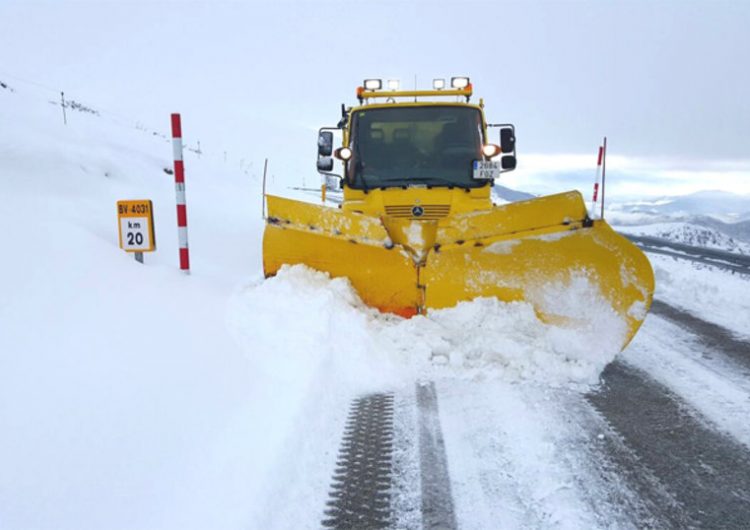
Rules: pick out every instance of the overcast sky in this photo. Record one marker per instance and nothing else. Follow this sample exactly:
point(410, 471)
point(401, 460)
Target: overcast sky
point(667, 82)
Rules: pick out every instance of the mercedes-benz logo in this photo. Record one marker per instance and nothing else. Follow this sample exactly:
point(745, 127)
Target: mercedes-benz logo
point(417, 211)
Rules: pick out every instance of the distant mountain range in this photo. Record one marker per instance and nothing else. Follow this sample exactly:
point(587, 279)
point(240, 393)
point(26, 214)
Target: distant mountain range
point(722, 205)
point(704, 218)
point(715, 219)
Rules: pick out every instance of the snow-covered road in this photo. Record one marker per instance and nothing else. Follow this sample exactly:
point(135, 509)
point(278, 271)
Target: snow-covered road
point(662, 442)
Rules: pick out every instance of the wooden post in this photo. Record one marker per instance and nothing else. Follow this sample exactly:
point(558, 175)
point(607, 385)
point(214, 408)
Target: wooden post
point(62, 103)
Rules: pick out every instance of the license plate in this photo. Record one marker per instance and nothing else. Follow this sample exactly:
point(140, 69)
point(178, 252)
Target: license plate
point(486, 169)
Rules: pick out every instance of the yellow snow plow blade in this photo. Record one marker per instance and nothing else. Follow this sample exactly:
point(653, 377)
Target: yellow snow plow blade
point(345, 244)
point(543, 251)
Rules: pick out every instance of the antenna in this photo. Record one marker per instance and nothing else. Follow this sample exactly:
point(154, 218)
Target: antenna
point(265, 169)
point(604, 172)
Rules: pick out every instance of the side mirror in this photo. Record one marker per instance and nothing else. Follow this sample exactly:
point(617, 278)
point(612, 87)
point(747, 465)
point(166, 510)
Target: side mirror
point(325, 163)
point(508, 162)
point(507, 140)
point(325, 143)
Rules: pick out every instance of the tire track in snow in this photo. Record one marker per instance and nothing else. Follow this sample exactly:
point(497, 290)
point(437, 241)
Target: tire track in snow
point(437, 502)
point(710, 335)
point(392, 478)
point(361, 489)
point(705, 472)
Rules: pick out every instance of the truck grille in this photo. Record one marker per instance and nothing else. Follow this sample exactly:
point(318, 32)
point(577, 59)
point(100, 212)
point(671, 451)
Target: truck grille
point(430, 211)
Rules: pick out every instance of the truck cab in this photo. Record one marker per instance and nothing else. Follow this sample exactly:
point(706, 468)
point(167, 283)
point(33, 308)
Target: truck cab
point(417, 159)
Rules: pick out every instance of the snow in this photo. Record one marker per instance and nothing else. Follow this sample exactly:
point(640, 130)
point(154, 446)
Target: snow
point(502, 247)
point(414, 237)
point(116, 380)
point(527, 456)
point(133, 396)
point(713, 294)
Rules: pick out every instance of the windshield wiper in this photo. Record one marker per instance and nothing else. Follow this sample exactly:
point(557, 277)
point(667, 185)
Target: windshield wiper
point(359, 167)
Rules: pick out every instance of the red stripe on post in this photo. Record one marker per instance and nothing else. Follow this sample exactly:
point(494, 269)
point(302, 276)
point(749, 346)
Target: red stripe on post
point(596, 190)
point(181, 215)
point(601, 151)
point(184, 259)
point(179, 171)
point(176, 126)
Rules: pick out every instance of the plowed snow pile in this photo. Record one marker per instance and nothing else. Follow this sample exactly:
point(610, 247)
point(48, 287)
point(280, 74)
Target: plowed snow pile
point(715, 295)
point(483, 338)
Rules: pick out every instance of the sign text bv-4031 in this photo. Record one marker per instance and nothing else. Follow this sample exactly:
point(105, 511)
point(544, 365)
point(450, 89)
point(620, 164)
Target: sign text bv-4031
point(136, 222)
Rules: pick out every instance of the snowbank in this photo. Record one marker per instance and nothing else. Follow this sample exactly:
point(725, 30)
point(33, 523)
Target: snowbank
point(482, 338)
point(713, 294)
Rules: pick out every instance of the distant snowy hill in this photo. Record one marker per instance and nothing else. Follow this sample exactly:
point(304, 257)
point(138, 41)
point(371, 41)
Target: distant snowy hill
point(502, 194)
point(721, 205)
point(740, 230)
point(690, 234)
point(714, 219)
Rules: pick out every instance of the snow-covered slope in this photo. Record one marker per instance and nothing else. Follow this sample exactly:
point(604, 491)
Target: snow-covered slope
point(739, 230)
point(726, 206)
point(503, 194)
point(689, 234)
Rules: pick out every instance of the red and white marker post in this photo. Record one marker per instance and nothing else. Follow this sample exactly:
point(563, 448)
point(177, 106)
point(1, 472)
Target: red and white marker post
point(604, 175)
point(595, 198)
point(179, 186)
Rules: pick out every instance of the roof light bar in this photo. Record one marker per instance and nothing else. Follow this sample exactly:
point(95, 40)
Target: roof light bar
point(459, 82)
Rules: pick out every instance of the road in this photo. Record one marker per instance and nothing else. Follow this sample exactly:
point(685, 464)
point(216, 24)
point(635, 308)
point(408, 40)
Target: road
point(662, 442)
point(719, 258)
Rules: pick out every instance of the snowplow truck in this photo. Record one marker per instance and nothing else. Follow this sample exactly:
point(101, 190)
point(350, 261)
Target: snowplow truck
point(416, 228)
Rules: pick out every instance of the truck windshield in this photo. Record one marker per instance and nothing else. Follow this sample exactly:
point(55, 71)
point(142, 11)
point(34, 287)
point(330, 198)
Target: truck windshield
point(405, 146)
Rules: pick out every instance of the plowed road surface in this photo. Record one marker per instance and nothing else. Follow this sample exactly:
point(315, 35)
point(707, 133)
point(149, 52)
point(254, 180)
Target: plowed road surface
point(663, 442)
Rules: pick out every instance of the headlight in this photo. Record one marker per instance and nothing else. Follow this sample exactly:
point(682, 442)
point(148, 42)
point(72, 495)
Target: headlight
point(438, 84)
point(373, 84)
point(490, 150)
point(344, 153)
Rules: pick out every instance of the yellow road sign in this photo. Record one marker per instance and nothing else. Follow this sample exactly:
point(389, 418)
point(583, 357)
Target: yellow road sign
point(136, 222)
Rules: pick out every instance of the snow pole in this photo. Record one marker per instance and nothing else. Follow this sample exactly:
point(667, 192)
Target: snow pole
point(265, 169)
point(596, 182)
point(604, 173)
point(179, 184)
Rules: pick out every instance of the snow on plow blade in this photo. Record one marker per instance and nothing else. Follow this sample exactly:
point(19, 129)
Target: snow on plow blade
point(543, 251)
